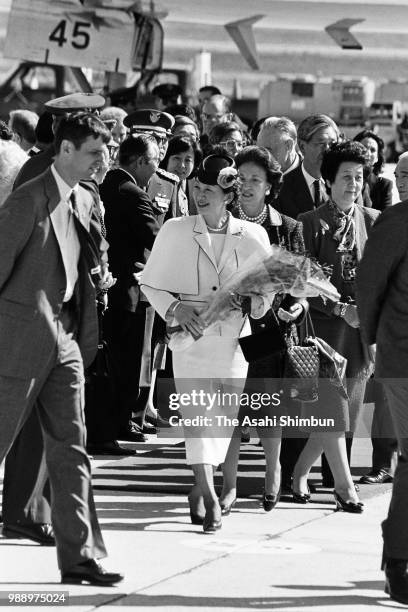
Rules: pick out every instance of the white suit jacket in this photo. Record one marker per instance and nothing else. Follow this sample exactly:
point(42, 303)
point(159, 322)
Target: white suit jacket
point(182, 264)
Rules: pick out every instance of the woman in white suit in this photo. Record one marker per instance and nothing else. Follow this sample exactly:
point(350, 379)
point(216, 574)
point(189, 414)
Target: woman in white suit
point(192, 257)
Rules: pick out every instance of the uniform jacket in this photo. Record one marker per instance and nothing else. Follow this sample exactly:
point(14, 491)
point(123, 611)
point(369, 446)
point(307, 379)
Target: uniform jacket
point(163, 191)
point(131, 227)
point(382, 291)
point(182, 264)
point(33, 280)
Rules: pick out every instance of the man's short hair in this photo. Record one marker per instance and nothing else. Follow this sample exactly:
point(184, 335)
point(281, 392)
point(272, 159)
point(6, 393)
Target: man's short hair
point(220, 98)
point(135, 146)
point(113, 112)
point(310, 125)
point(284, 125)
point(23, 123)
point(210, 88)
point(77, 127)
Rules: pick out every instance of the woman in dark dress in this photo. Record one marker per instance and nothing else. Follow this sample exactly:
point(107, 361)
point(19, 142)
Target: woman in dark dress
point(335, 234)
point(260, 181)
point(377, 188)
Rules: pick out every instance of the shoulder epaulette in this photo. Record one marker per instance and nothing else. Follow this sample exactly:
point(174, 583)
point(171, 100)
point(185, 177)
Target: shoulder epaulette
point(168, 175)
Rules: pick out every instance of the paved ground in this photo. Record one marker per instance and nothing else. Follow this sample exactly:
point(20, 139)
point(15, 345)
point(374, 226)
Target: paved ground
point(294, 557)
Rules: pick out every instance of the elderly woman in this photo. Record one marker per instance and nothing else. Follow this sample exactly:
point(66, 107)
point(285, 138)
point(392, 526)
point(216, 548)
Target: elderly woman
point(191, 258)
point(260, 180)
point(377, 189)
point(335, 234)
point(12, 157)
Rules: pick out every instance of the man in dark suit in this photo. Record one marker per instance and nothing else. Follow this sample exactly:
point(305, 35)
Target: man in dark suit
point(303, 188)
point(26, 501)
point(382, 299)
point(48, 332)
point(279, 136)
point(131, 227)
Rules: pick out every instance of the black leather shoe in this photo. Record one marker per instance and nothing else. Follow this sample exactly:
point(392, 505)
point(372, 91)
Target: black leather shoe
point(226, 508)
point(132, 434)
point(149, 429)
point(38, 532)
point(345, 506)
point(376, 477)
point(270, 501)
point(211, 525)
point(301, 498)
point(109, 448)
point(157, 421)
point(90, 571)
point(396, 580)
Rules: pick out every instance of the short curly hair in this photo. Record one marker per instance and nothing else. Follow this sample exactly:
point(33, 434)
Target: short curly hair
point(340, 152)
point(262, 157)
point(379, 164)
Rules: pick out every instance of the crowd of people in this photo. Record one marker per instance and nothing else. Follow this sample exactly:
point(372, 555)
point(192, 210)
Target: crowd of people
point(116, 229)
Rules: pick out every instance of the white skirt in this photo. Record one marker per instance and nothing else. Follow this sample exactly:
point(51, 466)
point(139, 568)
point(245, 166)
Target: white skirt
point(208, 367)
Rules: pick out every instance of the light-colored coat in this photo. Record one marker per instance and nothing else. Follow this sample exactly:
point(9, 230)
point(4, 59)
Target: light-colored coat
point(182, 264)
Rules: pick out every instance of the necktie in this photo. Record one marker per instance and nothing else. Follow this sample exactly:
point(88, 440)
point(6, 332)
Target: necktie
point(317, 194)
point(73, 202)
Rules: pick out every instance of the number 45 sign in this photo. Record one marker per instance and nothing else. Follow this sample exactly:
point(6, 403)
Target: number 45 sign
point(53, 32)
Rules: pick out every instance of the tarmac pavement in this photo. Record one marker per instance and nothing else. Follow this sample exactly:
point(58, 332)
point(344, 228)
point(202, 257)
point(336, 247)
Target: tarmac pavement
point(307, 557)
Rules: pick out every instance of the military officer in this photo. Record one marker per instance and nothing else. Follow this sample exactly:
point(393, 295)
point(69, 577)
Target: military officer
point(163, 185)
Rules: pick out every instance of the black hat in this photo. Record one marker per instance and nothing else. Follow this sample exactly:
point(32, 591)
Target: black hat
point(74, 102)
point(212, 165)
point(149, 120)
point(167, 92)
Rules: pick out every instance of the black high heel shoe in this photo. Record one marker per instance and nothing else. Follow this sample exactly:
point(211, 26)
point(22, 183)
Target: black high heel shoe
point(210, 523)
point(301, 498)
point(353, 507)
point(270, 501)
point(226, 508)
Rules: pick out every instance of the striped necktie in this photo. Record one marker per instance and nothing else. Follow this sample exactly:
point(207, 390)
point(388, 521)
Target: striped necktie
point(317, 193)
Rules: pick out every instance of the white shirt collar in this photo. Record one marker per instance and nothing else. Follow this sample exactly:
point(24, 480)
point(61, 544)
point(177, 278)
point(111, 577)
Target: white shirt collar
point(310, 179)
point(64, 189)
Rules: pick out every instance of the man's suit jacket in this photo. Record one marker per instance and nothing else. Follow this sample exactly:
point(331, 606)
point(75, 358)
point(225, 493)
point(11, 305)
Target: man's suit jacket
point(294, 197)
point(131, 226)
point(33, 279)
point(382, 291)
point(35, 166)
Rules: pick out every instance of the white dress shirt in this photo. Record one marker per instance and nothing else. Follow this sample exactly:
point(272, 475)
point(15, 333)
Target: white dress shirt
point(310, 183)
point(72, 240)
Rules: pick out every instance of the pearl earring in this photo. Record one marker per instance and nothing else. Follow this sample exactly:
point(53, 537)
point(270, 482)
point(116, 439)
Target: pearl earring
point(267, 192)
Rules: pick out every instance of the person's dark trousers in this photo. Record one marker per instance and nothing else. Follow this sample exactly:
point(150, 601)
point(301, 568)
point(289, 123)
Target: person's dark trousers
point(394, 528)
point(124, 332)
point(59, 392)
point(26, 499)
point(382, 433)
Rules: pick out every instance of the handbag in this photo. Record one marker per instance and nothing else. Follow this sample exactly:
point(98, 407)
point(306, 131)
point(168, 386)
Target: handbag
point(268, 341)
point(302, 365)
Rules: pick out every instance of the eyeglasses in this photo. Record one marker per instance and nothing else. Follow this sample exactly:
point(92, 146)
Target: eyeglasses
point(232, 144)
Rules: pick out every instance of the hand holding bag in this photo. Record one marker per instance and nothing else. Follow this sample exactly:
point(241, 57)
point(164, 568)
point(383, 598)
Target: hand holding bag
point(302, 365)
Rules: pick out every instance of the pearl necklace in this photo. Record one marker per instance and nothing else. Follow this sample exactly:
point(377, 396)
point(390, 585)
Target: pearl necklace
point(258, 219)
point(221, 228)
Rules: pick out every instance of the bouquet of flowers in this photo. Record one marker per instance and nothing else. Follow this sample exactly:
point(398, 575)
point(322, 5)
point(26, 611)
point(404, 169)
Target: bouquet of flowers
point(278, 272)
